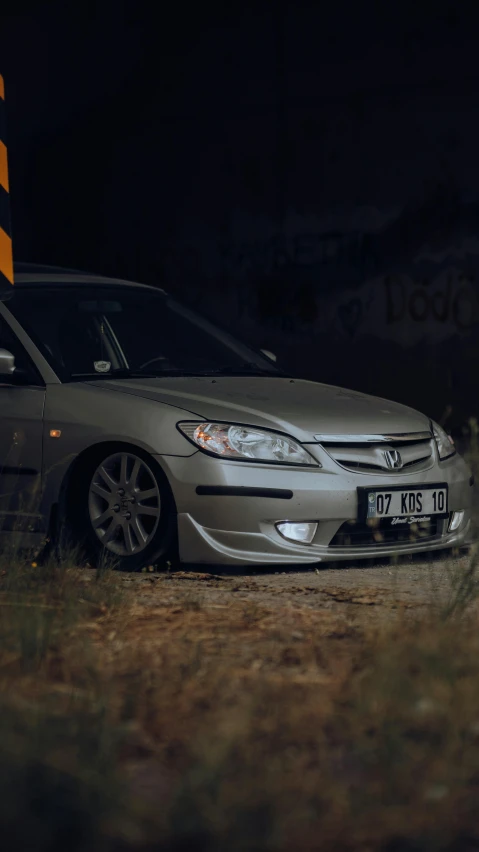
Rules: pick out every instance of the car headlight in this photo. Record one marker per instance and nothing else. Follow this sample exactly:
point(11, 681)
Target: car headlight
point(246, 443)
point(445, 444)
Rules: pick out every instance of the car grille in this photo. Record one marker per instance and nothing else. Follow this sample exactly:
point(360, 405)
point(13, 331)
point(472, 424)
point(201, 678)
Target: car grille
point(371, 456)
point(361, 534)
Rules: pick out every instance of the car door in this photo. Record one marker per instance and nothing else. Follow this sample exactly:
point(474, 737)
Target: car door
point(22, 399)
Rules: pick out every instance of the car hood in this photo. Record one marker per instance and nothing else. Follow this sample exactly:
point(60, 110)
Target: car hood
point(302, 408)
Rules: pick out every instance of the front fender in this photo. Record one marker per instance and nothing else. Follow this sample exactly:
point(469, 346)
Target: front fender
point(79, 417)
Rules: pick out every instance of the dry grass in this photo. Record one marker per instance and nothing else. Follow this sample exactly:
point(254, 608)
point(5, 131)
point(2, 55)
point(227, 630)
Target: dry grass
point(151, 714)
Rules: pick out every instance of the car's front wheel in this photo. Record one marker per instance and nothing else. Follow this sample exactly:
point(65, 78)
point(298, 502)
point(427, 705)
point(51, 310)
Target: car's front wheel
point(126, 511)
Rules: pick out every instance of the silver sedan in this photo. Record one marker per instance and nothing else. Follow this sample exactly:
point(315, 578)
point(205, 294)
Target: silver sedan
point(137, 429)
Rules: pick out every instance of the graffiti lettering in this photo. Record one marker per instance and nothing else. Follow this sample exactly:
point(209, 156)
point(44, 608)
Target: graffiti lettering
point(350, 316)
point(266, 256)
point(240, 258)
point(455, 301)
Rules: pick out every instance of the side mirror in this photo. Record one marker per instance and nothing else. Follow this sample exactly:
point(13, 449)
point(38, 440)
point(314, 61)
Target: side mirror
point(270, 355)
point(7, 363)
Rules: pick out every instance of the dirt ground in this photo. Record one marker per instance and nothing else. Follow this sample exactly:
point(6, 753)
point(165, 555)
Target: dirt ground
point(410, 582)
point(177, 707)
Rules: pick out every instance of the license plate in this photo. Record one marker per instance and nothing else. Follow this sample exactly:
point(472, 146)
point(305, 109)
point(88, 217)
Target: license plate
point(399, 505)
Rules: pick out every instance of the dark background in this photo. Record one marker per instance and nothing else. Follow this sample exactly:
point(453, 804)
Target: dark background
point(307, 172)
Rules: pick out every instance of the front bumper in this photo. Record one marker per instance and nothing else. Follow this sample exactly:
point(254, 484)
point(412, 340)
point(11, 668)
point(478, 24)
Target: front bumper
point(232, 529)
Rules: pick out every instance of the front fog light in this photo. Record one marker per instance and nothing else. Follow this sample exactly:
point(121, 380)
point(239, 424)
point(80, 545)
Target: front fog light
point(456, 521)
point(303, 532)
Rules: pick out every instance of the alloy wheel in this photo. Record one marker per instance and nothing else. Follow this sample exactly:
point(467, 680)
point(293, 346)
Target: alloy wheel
point(124, 504)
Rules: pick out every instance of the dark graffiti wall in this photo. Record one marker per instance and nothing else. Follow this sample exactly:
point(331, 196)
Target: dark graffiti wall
point(311, 181)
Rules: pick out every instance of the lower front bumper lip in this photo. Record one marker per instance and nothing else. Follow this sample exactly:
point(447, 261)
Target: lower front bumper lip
point(200, 544)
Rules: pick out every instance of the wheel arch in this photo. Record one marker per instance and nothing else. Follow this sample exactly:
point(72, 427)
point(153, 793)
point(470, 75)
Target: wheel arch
point(84, 463)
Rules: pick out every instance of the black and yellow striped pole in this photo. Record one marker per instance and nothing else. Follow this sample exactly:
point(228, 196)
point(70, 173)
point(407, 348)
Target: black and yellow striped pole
point(6, 256)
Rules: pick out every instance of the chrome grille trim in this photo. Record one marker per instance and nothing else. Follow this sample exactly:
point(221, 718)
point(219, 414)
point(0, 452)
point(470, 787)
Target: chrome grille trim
point(360, 467)
point(371, 458)
point(373, 439)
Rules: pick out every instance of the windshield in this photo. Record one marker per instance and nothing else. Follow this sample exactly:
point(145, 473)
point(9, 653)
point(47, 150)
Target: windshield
point(104, 331)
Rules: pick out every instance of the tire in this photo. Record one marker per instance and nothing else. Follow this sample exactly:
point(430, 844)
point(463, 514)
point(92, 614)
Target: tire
point(123, 512)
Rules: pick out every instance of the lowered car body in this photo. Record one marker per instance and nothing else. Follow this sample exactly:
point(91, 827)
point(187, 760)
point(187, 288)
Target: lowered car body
point(140, 425)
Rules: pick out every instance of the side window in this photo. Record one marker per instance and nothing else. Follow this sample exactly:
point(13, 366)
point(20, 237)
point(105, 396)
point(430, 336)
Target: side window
point(25, 372)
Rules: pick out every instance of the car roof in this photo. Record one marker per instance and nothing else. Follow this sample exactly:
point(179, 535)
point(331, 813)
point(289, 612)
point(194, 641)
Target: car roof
point(28, 274)
point(42, 268)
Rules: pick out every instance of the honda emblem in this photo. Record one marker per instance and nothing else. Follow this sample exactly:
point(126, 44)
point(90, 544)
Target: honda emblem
point(393, 459)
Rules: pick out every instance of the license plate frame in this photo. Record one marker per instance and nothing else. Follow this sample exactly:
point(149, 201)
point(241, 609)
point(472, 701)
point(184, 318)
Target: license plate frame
point(363, 502)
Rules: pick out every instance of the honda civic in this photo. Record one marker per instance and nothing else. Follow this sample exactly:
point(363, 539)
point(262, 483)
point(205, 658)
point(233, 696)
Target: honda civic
point(147, 432)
